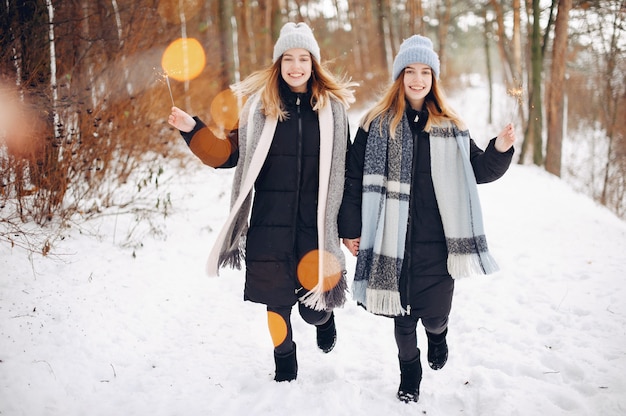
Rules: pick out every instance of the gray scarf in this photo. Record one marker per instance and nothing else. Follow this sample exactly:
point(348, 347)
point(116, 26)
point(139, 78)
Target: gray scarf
point(385, 211)
point(256, 133)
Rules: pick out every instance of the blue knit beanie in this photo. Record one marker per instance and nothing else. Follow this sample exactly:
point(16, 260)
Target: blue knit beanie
point(416, 50)
point(296, 35)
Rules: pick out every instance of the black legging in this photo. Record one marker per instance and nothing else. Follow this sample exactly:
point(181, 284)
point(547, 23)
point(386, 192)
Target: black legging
point(431, 301)
point(310, 316)
point(406, 335)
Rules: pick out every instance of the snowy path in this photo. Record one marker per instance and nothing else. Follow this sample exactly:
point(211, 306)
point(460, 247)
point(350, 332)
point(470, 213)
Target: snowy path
point(99, 332)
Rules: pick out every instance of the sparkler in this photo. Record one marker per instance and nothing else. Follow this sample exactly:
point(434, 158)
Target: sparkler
point(169, 87)
point(163, 77)
point(517, 93)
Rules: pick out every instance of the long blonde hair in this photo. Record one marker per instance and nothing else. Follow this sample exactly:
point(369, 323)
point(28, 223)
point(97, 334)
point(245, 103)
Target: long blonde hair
point(392, 105)
point(323, 85)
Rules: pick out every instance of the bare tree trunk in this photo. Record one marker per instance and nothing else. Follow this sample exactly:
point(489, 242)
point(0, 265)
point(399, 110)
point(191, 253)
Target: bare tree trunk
point(376, 44)
point(53, 66)
point(443, 13)
point(517, 44)
point(487, 30)
point(387, 47)
point(393, 27)
point(416, 17)
point(278, 20)
point(226, 43)
point(546, 33)
point(527, 144)
point(502, 42)
point(265, 21)
point(183, 34)
point(535, 113)
point(615, 160)
point(556, 88)
point(358, 38)
point(244, 38)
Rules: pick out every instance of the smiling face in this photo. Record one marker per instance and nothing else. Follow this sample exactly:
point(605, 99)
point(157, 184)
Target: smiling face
point(418, 81)
point(296, 66)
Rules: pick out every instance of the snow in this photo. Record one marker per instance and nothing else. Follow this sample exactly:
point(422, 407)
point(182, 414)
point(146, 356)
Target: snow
point(101, 327)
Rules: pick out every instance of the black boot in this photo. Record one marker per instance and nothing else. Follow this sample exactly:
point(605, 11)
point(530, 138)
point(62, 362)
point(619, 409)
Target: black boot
point(410, 379)
point(327, 334)
point(286, 366)
point(437, 350)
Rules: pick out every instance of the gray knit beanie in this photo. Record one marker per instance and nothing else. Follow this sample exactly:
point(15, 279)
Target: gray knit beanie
point(416, 50)
point(296, 35)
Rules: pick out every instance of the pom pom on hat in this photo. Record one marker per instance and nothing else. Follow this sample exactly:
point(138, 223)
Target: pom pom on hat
point(296, 35)
point(416, 50)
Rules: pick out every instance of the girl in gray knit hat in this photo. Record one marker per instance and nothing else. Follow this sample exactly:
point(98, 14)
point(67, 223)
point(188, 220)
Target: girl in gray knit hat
point(410, 210)
point(289, 151)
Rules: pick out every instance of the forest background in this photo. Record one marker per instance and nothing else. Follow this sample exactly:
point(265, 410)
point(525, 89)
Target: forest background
point(85, 87)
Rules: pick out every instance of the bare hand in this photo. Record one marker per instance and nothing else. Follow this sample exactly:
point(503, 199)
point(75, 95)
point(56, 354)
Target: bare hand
point(352, 244)
point(505, 139)
point(181, 120)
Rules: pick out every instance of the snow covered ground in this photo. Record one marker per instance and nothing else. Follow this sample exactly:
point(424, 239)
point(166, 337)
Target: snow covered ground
point(98, 328)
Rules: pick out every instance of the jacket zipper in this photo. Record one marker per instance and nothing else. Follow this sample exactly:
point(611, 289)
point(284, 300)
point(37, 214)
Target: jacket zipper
point(407, 246)
point(298, 177)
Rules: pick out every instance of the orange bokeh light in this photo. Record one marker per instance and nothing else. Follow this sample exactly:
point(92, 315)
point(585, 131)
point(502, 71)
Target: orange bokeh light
point(278, 328)
point(21, 125)
point(225, 110)
point(184, 59)
point(309, 266)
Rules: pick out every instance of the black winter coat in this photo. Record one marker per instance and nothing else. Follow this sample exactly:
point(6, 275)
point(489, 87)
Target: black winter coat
point(426, 252)
point(283, 221)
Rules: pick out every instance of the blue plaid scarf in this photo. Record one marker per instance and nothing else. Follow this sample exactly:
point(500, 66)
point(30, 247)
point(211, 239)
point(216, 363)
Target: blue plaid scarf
point(385, 211)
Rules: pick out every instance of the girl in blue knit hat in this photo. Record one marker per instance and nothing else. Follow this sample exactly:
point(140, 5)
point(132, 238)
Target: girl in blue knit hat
point(410, 211)
point(289, 149)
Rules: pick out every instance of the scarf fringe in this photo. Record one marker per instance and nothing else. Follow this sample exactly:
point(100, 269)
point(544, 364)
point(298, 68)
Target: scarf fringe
point(384, 302)
point(233, 258)
point(466, 265)
point(321, 300)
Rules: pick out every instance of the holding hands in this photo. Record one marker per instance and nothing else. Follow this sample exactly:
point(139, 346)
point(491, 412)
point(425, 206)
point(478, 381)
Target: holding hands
point(181, 120)
point(352, 244)
point(505, 139)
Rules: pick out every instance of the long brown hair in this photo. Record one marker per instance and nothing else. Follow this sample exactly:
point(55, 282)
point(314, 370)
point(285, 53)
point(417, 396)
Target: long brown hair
point(392, 106)
point(323, 85)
